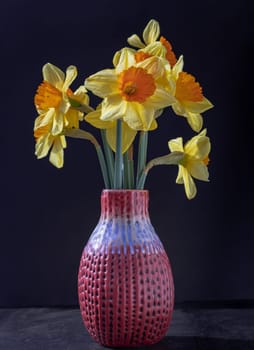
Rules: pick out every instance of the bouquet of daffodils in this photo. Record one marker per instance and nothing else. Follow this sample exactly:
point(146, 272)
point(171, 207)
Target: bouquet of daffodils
point(145, 79)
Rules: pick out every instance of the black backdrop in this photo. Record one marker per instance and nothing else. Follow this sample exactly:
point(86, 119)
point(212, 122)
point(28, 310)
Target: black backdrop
point(48, 214)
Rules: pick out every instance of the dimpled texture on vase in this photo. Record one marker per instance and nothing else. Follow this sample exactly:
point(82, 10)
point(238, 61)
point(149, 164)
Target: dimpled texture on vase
point(125, 282)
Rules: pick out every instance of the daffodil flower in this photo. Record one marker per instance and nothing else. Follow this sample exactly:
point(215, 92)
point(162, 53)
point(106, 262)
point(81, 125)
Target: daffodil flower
point(189, 99)
point(194, 163)
point(46, 142)
point(151, 45)
point(131, 90)
point(55, 111)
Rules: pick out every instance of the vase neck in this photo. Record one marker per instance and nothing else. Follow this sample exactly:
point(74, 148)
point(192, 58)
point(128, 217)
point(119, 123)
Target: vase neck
point(124, 203)
point(124, 225)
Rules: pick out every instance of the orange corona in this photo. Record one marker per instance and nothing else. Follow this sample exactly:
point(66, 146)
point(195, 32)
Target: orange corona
point(170, 56)
point(136, 85)
point(47, 96)
point(187, 89)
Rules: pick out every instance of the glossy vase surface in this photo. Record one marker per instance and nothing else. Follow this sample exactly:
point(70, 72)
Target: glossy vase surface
point(125, 282)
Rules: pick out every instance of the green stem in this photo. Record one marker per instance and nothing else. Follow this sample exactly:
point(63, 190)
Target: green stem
point(131, 167)
point(118, 157)
point(131, 173)
point(173, 158)
point(103, 166)
point(126, 180)
point(142, 153)
point(109, 158)
point(128, 168)
point(142, 179)
point(81, 134)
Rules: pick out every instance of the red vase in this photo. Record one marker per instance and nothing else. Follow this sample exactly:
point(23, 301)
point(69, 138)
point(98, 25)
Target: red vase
point(125, 283)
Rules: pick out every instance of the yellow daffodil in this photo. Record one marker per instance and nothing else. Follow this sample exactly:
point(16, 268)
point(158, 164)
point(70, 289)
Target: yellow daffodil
point(189, 99)
point(45, 141)
point(55, 111)
point(131, 90)
point(194, 163)
point(128, 134)
point(151, 45)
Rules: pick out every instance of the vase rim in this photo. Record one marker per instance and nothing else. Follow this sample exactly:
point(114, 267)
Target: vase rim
point(123, 190)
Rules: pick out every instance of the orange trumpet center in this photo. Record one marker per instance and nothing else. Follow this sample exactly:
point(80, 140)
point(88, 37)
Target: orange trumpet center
point(187, 89)
point(170, 56)
point(47, 96)
point(136, 85)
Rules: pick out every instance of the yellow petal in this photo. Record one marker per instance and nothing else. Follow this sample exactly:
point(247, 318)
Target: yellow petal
point(81, 95)
point(156, 49)
point(179, 179)
point(151, 31)
point(118, 56)
point(126, 59)
point(63, 141)
point(72, 118)
point(132, 117)
point(111, 137)
point(198, 147)
point(113, 107)
point(53, 75)
point(138, 117)
point(178, 109)
point(58, 123)
point(199, 171)
point(176, 145)
point(93, 118)
point(171, 83)
point(44, 119)
point(198, 107)
point(154, 125)
point(57, 155)
point(102, 83)
point(195, 121)
point(127, 139)
point(158, 113)
point(134, 40)
point(153, 65)
point(178, 67)
point(189, 185)
point(71, 74)
point(160, 99)
point(146, 115)
point(43, 145)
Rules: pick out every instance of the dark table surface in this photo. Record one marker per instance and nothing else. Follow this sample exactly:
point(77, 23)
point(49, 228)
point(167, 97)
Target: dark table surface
point(193, 327)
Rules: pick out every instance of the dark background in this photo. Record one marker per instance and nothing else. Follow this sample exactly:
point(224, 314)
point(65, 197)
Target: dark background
point(48, 214)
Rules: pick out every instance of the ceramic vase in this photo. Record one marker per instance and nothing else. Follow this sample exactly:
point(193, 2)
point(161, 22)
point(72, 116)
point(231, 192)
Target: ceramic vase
point(125, 282)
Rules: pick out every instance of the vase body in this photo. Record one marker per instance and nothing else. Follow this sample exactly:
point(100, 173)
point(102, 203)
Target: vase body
point(125, 283)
